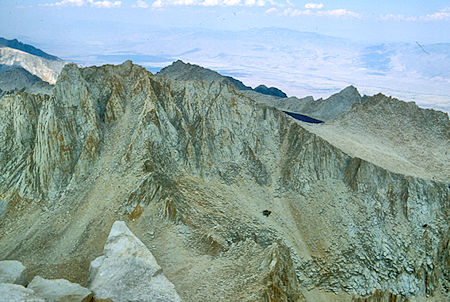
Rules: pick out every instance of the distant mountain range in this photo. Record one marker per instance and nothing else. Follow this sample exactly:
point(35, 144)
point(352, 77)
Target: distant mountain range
point(16, 76)
point(298, 63)
point(27, 48)
point(21, 62)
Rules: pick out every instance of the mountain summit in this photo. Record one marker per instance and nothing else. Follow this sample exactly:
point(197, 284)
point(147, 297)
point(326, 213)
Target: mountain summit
point(190, 72)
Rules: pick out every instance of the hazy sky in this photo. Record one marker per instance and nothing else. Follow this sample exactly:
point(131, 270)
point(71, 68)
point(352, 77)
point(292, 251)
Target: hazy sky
point(373, 21)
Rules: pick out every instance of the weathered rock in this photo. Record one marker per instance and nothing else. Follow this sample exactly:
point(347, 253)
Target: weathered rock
point(395, 135)
point(17, 293)
point(59, 290)
point(12, 271)
point(128, 271)
point(116, 142)
point(281, 280)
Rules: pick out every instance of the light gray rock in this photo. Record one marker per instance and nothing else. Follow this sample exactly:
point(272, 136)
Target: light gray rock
point(128, 271)
point(17, 293)
point(59, 290)
point(12, 271)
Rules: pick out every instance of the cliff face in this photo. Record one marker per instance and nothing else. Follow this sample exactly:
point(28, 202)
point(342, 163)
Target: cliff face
point(191, 166)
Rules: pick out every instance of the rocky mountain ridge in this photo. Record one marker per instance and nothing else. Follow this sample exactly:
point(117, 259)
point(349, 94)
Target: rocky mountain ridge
point(17, 78)
point(38, 65)
point(191, 165)
point(179, 70)
point(321, 109)
point(15, 44)
point(394, 134)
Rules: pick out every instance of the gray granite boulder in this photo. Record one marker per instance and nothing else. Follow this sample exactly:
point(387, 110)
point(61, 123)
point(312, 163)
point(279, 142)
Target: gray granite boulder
point(17, 293)
point(59, 290)
point(12, 271)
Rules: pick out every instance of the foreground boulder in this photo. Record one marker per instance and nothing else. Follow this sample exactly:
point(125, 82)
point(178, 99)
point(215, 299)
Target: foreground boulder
point(17, 293)
point(12, 271)
point(59, 290)
point(128, 271)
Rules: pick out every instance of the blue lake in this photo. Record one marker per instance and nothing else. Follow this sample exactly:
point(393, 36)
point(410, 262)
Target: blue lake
point(303, 118)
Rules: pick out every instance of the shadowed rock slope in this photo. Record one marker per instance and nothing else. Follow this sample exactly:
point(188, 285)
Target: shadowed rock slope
point(263, 89)
point(190, 166)
point(18, 79)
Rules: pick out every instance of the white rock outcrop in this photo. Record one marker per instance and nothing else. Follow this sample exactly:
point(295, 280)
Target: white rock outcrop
point(128, 271)
point(59, 290)
point(17, 293)
point(12, 271)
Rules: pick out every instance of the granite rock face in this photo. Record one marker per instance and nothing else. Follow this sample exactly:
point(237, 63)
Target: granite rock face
point(281, 279)
point(17, 79)
point(17, 293)
point(379, 296)
point(59, 290)
point(196, 163)
point(128, 271)
point(12, 271)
